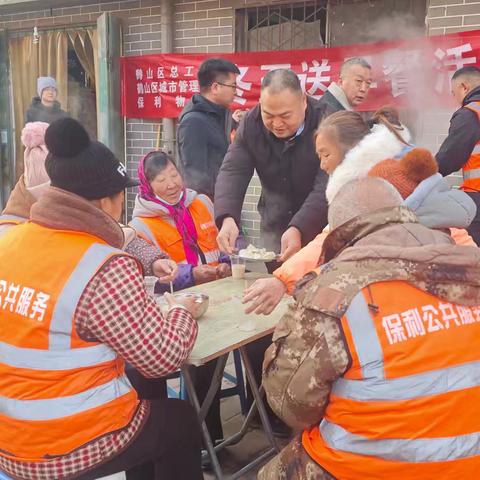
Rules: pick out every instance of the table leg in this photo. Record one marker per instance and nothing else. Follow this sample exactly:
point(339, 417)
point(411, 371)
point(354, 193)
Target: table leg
point(258, 399)
point(202, 410)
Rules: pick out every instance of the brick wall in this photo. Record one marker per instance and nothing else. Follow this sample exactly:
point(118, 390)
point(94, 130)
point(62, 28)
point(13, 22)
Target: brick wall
point(446, 16)
point(141, 35)
point(207, 27)
point(199, 27)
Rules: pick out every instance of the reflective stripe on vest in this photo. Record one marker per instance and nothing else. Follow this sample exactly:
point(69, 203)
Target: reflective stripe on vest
point(471, 174)
point(55, 408)
point(61, 324)
point(12, 219)
point(375, 387)
point(36, 359)
point(139, 225)
point(416, 450)
point(406, 408)
point(55, 387)
point(471, 169)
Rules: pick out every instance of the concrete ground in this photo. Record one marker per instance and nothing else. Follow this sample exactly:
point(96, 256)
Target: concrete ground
point(254, 443)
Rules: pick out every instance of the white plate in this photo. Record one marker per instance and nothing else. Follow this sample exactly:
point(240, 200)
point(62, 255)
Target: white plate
point(249, 259)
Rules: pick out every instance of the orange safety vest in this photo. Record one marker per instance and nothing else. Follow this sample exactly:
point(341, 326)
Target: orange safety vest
point(408, 406)
point(471, 170)
point(57, 391)
point(163, 233)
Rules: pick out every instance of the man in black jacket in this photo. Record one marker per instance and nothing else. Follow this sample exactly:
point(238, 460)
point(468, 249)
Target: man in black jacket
point(45, 107)
point(463, 136)
point(205, 125)
point(276, 140)
point(352, 88)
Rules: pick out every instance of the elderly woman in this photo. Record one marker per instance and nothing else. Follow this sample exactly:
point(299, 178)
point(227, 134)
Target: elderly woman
point(179, 221)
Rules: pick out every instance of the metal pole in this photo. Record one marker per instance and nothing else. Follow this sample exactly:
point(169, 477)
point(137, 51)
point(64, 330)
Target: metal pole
point(166, 37)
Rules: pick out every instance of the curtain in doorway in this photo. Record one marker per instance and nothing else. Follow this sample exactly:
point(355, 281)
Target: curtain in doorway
point(29, 60)
point(85, 44)
point(49, 57)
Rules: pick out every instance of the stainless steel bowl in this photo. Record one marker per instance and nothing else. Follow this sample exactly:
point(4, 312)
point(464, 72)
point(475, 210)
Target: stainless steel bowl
point(201, 302)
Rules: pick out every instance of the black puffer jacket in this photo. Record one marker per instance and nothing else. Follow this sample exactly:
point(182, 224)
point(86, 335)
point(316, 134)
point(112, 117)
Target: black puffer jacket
point(293, 186)
point(203, 137)
point(37, 112)
point(463, 134)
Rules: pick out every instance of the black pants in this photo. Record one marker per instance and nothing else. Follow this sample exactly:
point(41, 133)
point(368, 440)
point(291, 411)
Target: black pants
point(153, 388)
point(170, 440)
point(474, 228)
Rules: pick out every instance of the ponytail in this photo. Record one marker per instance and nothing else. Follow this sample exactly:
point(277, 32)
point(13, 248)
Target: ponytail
point(390, 118)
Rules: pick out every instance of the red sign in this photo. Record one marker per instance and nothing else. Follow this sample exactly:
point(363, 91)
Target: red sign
point(414, 73)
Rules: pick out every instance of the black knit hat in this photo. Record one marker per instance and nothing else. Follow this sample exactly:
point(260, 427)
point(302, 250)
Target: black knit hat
point(80, 165)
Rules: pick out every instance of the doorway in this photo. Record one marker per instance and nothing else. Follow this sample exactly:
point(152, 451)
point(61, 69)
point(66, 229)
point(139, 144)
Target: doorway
point(69, 56)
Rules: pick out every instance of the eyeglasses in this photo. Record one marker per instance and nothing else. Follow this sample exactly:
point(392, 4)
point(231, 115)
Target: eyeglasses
point(227, 85)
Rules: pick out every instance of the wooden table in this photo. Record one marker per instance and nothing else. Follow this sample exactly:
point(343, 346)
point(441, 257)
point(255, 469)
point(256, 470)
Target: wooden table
point(219, 334)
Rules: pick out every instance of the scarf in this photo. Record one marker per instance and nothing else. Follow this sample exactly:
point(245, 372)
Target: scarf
point(178, 212)
point(339, 94)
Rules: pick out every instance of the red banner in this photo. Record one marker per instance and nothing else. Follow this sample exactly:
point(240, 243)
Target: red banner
point(414, 74)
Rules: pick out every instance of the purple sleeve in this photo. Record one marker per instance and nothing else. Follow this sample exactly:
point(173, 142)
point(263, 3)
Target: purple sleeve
point(184, 279)
point(145, 253)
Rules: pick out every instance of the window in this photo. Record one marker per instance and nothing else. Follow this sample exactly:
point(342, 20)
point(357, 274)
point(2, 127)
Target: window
point(281, 27)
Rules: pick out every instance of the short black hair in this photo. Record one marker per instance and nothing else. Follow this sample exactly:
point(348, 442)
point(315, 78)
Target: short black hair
point(212, 69)
point(281, 79)
point(467, 72)
point(155, 163)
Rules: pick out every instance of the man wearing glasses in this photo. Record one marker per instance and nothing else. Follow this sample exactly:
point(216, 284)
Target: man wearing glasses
point(205, 125)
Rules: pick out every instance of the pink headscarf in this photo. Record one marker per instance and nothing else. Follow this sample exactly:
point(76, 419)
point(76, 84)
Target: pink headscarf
point(179, 213)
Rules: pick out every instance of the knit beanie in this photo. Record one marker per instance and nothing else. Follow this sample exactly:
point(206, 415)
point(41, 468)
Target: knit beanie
point(405, 174)
point(80, 165)
point(45, 82)
point(33, 139)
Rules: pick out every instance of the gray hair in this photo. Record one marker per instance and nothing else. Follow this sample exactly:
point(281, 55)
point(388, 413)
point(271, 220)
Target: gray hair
point(281, 79)
point(353, 61)
point(362, 196)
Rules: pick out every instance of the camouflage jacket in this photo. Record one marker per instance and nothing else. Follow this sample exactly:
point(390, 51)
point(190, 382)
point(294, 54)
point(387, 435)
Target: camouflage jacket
point(308, 352)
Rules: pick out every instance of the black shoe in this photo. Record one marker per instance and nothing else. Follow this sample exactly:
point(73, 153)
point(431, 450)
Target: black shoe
point(207, 462)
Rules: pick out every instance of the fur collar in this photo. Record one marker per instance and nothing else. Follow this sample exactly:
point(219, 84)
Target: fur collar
point(378, 145)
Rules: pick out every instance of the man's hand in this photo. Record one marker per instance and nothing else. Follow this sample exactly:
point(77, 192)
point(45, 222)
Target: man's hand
point(187, 302)
point(223, 270)
point(265, 294)
point(227, 236)
point(204, 274)
point(238, 114)
point(291, 243)
point(165, 270)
